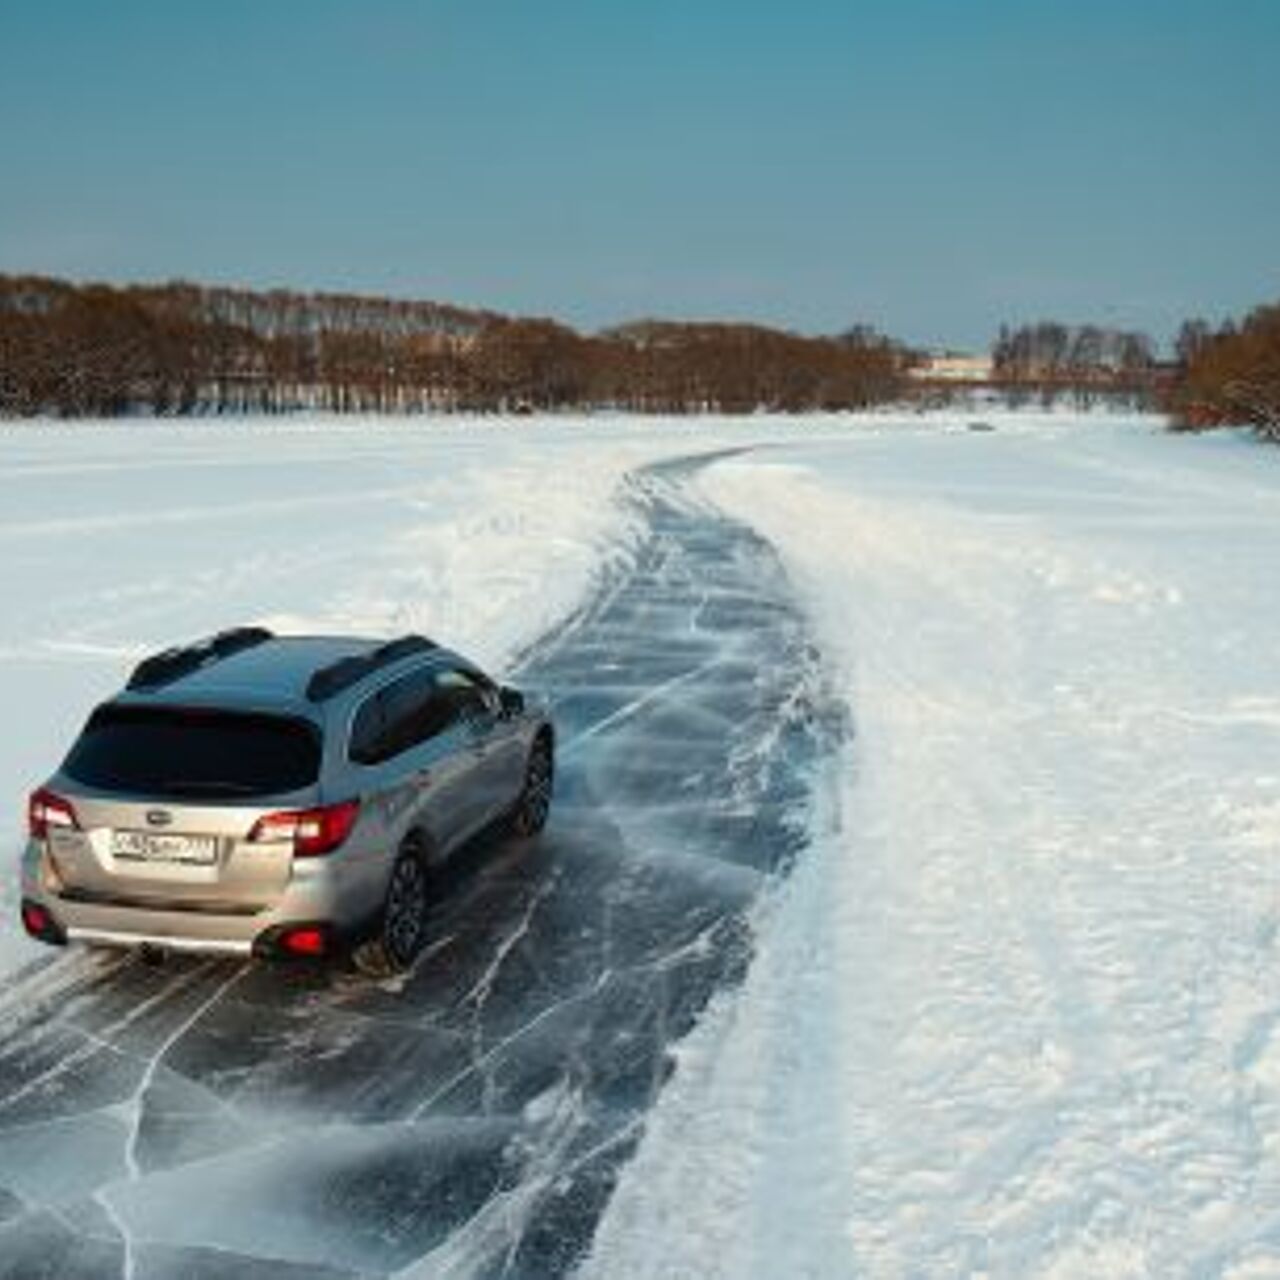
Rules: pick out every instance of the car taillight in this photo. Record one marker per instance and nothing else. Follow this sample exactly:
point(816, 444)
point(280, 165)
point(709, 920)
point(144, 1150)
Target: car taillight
point(312, 831)
point(305, 940)
point(35, 919)
point(45, 810)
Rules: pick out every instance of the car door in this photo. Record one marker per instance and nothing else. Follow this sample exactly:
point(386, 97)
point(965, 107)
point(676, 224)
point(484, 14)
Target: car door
point(408, 737)
point(494, 754)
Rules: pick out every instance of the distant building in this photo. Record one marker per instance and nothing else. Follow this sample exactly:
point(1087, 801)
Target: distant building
point(951, 366)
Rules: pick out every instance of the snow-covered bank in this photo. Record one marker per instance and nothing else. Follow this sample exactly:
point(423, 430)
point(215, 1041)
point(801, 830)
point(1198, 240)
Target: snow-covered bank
point(1018, 1010)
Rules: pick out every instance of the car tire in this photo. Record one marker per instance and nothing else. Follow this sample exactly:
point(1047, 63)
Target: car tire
point(402, 922)
point(534, 805)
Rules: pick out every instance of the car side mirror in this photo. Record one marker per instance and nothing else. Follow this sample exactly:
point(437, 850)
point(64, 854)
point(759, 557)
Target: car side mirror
point(512, 701)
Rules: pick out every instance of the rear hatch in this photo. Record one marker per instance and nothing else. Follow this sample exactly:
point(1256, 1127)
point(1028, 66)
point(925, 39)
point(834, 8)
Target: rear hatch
point(165, 802)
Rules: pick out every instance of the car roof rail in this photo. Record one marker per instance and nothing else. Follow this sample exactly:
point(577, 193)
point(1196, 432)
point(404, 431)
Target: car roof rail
point(340, 675)
point(172, 664)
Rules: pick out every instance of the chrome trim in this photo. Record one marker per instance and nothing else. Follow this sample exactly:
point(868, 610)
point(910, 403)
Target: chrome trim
point(77, 933)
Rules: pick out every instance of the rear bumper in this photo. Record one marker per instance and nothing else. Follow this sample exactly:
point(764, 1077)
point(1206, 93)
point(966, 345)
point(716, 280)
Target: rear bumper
point(168, 931)
point(321, 896)
point(161, 941)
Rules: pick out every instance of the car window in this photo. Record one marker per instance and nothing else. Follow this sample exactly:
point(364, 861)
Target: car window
point(194, 753)
point(408, 712)
point(467, 695)
point(366, 732)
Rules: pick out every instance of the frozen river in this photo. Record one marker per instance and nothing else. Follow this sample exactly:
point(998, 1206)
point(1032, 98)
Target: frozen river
point(1013, 1010)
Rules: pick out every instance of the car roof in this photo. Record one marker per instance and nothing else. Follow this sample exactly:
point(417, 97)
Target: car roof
point(274, 675)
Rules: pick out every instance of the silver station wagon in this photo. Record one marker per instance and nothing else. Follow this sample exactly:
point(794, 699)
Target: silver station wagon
point(280, 795)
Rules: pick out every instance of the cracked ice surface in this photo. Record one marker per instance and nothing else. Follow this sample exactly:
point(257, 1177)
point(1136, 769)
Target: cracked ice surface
point(210, 1118)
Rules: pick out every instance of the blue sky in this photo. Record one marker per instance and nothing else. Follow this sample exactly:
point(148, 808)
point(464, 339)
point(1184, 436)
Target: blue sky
point(930, 166)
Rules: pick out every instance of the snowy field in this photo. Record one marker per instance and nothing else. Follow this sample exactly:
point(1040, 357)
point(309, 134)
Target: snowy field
point(1017, 1010)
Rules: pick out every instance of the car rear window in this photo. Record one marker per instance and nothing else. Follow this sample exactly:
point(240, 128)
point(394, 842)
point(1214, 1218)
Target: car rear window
point(194, 753)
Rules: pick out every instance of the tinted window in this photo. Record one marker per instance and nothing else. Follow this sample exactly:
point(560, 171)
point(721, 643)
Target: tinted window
point(366, 733)
point(407, 713)
point(404, 714)
point(466, 695)
point(194, 753)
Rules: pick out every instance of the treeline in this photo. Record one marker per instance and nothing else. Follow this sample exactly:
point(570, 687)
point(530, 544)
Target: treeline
point(1230, 375)
point(1224, 376)
point(95, 350)
point(1086, 362)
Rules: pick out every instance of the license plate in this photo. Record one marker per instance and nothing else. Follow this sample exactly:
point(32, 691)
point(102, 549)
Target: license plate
point(151, 846)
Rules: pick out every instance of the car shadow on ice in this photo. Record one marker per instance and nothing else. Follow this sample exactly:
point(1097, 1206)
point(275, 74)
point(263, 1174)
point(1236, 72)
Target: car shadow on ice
point(206, 1117)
